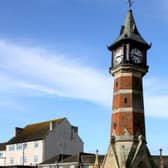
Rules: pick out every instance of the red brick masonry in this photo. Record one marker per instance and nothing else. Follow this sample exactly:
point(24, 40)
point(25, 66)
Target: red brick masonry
point(128, 108)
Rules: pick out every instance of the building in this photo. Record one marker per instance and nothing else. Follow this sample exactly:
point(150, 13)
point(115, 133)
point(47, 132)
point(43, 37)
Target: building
point(127, 148)
point(89, 160)
point(38, 142)
point(2, 153)
point(80, 159)
point(161, 162)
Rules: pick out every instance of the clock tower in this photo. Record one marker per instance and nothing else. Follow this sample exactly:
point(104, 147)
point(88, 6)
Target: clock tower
point(128, 147)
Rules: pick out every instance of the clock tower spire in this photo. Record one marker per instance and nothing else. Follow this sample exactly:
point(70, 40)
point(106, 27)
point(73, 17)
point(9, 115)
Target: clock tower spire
point(128, 66)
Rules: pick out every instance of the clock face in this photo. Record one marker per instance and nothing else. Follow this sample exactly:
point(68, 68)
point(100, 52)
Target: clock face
point(118, 56)
point(136, 56)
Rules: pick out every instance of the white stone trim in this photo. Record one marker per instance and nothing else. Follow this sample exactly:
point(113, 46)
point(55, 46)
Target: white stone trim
point(127, 109)
point(129, 68)
point(126, 91)
point(120, 74)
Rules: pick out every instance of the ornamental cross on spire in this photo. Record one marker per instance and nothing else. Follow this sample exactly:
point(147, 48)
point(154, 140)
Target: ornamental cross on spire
point(130, 3)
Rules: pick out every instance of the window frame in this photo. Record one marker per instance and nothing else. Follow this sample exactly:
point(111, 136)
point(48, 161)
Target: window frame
point(11, 147)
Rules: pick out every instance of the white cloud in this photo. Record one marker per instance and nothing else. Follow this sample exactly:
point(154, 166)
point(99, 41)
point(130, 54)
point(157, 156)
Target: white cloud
point(157, 106)
point(34, 69)
point(156, 97)
point(30, 71)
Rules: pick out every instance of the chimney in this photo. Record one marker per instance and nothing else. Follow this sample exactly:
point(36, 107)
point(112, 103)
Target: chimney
point(51, 125)
point(75, 129)
point(18, 130)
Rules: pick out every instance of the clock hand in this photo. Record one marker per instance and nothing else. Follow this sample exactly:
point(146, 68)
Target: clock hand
point(136, 55)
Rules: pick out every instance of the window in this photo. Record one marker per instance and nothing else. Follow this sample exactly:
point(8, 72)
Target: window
point(53, 166)
point(19, 146)
point(72, 166)
point(125, 100)
point(36, 144)
point(1, 155)
point(85, 166)
point(116, 84)
point(36, 158)
point(24, 145)
point(21, 160)
point(11, 147)
point(25, 159)
point(11, 160)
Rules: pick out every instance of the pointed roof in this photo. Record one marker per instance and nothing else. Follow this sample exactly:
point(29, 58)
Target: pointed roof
point(129, 31)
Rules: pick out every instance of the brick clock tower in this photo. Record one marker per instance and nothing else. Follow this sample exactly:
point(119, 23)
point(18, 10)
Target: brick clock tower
point(128, 147)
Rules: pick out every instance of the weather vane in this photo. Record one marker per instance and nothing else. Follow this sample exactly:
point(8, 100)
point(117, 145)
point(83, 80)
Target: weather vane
point(130, 3)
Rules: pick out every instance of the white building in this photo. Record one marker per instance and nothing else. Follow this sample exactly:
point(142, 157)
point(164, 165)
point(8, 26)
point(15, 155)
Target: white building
point(2, 154)
point(38, 142)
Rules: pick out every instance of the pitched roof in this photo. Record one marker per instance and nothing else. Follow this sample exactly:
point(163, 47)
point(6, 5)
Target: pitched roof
point(35, 131)
point(80, 157)
point(2, 146)
point(56, 159)
point(129, 31)
point(18, 166)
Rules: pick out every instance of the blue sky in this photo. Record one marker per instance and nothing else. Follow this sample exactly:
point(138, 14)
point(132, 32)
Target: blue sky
point(54, 63)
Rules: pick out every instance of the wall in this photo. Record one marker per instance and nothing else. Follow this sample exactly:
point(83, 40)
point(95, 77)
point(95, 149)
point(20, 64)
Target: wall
point(62, 139)
point(32, 153)
point(2, 158)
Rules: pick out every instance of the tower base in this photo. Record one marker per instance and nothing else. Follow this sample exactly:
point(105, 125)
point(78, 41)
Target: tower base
point(126, 152)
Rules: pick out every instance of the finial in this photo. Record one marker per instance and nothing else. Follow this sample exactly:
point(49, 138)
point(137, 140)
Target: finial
point(161, 150)
point(161, 159)
point(130, 3)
